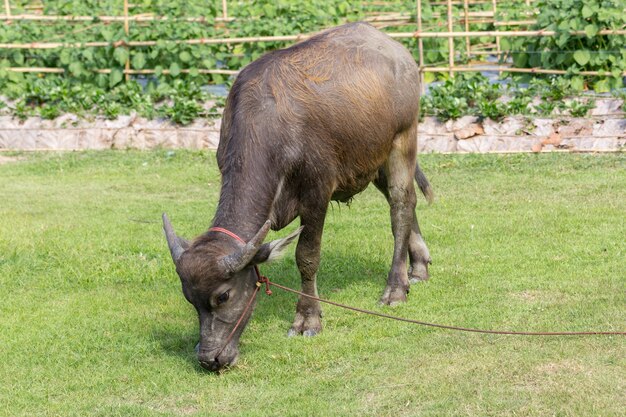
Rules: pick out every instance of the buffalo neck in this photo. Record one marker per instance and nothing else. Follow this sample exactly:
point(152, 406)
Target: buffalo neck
point(246, 196)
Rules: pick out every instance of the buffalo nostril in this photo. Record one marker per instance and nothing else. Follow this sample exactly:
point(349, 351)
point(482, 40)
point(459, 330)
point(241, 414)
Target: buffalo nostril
point(212, 366)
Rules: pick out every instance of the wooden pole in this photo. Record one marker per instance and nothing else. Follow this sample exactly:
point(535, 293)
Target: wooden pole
point(224, 9)
point(147, 18)
point(503, 34)
point(7, 9)
point(467, 38)
point(503, 68)
point(300, 37)
point(450, 40)
point(420, 45)
point(127, 31)
point(498, 51)
point(108, 71)
point(137, 18)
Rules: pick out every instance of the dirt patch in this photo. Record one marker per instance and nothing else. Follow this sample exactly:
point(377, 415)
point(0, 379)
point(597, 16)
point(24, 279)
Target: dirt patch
point(538, 296)
point(8, 159)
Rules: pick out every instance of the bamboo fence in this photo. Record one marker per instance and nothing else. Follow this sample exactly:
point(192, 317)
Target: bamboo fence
point(464, 15)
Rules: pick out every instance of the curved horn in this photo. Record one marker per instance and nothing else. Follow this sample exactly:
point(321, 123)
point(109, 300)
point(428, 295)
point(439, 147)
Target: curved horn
point(176, 244)
point(238, 260)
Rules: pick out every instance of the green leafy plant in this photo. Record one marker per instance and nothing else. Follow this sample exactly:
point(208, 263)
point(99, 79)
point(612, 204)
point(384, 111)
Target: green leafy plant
point(574, 52)
point(174, 87)
point(580, 108)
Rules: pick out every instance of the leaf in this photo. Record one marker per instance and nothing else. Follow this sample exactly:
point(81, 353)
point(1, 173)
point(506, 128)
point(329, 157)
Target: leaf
point(429, 77)
point(602, 86)
point(582, 57)
point(591, 30)
point(139, 61)
point(562, 39)
point(65, 57)
point(102, 80)
point(174, 69)
point(18, 57)
point(88, 54)
point(76, 68)
point(107, 33)
point(115, 77)
point(185, 56)
point(587, 11)
point(578, 83)
point(121, 55)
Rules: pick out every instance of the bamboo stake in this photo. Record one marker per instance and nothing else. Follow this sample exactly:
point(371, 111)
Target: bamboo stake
point(472, 14)
point(108, 71)
point(467, 39)
point(420, 46)
point(515, 23)
point(127, 31)
point(450, 40)
point(136, 18)
point(504, 68)
point(476, 68)
point(299, 37)
point(498, 50)
point(150, 18)
point(224, 9)
point(503, 34)
point(388, 18)
point(458, 3)
point(7, 8)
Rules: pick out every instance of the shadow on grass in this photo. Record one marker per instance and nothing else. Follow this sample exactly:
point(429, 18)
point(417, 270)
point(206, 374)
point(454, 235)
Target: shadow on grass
point(179, 344)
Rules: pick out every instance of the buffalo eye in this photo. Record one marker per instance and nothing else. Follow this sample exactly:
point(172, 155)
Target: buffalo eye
point(223, 297)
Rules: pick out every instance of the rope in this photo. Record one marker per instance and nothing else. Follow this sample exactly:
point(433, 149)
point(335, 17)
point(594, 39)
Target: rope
point(264, 280)
point(260, 280)
point(232, 332)
point(443, 326)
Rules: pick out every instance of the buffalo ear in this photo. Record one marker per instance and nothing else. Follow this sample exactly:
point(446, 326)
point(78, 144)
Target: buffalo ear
point(275, 249)
point(176, 244)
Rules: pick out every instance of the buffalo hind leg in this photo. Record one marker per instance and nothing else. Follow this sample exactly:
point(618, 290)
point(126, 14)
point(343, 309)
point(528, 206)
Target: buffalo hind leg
point(399, 170)
point(419, 255)
point(308, 320)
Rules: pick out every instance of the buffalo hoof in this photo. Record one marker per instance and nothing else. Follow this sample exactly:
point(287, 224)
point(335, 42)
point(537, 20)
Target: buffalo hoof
point(306, 326)
point(419, 272)
point(394, 295)
point(306, 333)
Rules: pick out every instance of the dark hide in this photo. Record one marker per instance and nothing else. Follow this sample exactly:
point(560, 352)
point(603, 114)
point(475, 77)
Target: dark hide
point(315, 122)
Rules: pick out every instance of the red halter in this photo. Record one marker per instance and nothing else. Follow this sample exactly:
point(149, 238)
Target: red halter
point(260, 278)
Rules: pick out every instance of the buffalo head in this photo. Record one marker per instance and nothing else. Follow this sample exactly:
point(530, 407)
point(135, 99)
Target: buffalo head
point(218, 279)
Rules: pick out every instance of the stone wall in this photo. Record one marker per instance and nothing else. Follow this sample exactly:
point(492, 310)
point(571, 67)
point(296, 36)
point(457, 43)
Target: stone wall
point(468, 134)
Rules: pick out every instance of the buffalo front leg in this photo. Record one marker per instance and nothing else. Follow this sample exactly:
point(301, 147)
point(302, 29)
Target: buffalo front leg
point(399, 170)
point(308, 320)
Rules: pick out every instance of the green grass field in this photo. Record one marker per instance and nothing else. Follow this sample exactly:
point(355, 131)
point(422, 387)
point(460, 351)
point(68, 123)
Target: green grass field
point(93, 322)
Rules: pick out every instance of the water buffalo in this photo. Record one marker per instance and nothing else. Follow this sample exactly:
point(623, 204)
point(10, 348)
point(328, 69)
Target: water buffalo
point(302, 126)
